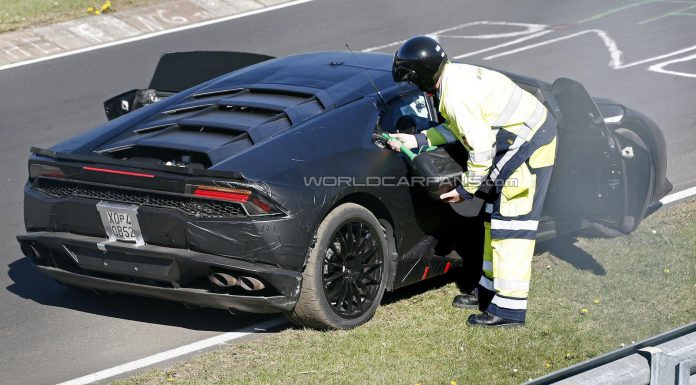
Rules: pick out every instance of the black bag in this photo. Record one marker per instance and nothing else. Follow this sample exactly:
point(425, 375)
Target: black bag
point(441, 170)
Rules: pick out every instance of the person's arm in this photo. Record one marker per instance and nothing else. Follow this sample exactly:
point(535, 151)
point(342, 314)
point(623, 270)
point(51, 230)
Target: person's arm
point(412, 123)
point(467, 115)
point(439, 135)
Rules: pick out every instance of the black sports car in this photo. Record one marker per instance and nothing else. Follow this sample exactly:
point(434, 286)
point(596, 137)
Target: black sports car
point(266, 189)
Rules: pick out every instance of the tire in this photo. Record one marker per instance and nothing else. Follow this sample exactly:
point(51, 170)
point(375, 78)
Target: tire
point(346, 273)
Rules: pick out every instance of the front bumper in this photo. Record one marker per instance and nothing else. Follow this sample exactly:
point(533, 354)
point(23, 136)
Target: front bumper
point(160, 272)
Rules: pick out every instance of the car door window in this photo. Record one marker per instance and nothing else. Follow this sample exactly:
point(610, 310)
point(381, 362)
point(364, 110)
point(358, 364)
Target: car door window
point(412, 104)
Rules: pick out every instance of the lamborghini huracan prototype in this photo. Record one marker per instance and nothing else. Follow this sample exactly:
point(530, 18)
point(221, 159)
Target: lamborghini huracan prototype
point(258, 184)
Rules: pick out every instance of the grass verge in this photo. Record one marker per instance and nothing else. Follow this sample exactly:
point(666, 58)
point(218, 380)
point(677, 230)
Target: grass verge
point(589, 296)
point(20, 14)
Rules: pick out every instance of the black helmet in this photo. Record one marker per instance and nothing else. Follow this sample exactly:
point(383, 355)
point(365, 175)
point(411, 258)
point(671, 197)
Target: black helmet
point(419, 60)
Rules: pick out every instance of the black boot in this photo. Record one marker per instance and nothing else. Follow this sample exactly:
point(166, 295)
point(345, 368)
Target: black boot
point(466, 300)
point(490, 320)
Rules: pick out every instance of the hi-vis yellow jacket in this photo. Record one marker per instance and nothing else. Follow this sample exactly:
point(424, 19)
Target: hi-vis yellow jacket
point(475, 103)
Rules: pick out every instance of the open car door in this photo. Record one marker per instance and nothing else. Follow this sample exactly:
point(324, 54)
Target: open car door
point(589, 179)
point(178, 71)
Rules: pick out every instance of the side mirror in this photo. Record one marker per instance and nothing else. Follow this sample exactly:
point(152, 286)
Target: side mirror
point(120, 105)
point(131, 101)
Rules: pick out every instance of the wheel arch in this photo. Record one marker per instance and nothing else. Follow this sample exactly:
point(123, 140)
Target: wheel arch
point(310, 310)
point(381, 212)
point(368, 201)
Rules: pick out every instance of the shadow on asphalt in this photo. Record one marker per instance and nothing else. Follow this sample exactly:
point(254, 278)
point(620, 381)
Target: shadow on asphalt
point(564, 249)
point(29, 283)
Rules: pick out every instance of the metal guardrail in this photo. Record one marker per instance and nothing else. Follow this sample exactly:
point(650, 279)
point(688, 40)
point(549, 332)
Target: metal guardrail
point(668, 358)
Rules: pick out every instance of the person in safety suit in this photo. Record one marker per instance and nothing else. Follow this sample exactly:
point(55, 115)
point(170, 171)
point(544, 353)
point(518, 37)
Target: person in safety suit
point(511, 141)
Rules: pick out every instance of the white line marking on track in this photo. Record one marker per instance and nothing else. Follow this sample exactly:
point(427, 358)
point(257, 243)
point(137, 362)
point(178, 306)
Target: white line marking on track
point(532, 36)
point(174, 353)
point(531, 28)
point(614, 51)
point(687, 49)
point(678, 196)
point(533, 31)
point(660, 67)
point(155, 34)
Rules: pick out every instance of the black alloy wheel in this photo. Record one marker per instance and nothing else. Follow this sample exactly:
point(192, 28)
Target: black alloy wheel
point(353, 267)
point(346, 273)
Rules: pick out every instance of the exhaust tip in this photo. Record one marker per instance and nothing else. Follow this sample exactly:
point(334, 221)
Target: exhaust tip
point(251, 284)
point(222, 280)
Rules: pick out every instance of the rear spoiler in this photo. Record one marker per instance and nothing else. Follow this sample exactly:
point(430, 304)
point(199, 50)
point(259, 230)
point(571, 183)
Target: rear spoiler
point(189, 171)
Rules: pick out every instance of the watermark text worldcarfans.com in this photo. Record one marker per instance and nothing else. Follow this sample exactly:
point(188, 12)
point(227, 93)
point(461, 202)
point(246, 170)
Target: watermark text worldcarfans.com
point(393, 181)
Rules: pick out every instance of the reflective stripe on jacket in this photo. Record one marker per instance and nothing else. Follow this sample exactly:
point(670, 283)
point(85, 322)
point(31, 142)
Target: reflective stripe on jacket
point(475, 103)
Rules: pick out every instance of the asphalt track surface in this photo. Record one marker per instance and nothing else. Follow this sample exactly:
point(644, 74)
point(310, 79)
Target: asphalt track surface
point(642, 54)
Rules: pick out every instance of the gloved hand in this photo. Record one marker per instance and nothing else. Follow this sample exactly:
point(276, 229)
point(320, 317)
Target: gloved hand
point(407, 139)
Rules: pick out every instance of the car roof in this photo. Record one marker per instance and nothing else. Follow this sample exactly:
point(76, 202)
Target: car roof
point(338, 76)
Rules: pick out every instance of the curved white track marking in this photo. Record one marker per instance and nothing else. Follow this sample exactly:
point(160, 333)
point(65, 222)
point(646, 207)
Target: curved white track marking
point(615, 53)
point(531, 28)
point(678, 196)
point(174, 353)
point(660, 67)
point(509, 43)
point(155, 34)
point(683, 50)
point(533, 31)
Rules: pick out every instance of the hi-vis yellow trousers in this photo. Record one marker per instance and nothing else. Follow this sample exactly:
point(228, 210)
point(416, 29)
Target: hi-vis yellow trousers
point(512, 219)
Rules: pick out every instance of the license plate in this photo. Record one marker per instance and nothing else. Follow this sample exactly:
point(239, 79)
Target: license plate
point(121, 222)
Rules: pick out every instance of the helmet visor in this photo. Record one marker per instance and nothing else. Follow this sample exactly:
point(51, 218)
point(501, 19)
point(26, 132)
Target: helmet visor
point(402, 73)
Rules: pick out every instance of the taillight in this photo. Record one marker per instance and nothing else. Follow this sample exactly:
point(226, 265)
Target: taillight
point(37, 170)
point(263, 206)
point(254, 203)
point(228, 194)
